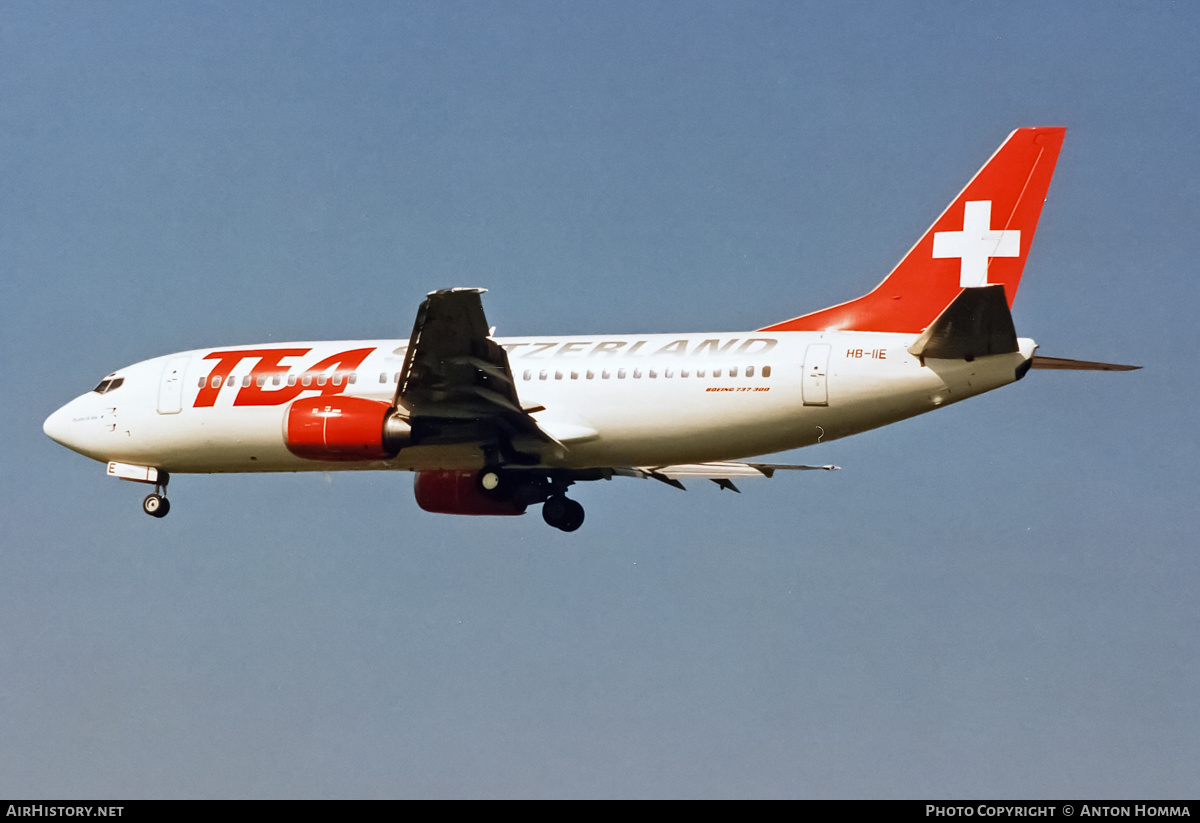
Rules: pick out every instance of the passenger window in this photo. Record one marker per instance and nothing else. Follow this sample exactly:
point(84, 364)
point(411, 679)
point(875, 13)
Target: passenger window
point(653, 374)
point(275, 380)
point(620, 374)
point(574, 375)
point(558, 375)
point(733, 371)
point(321, 379)
point(716, 372)
point(245, 381)
point(699, 372)
point(749, 371)
point(291, 380)
point(229, 381)
point(669, 373)
point(306, 380)
point(637, 374)
point(216, 382)
point(590, 374)
point(543, 374)
point(683, 372)
point(604, 374)
point(766, 371)
point(383, 377)
point(353, 378)
point(337, 378)
point(261, 381)
point(528, 375)
point(199, 384)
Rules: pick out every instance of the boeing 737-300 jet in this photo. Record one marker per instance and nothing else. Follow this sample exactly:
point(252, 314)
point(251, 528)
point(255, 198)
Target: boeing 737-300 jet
point(491, 426)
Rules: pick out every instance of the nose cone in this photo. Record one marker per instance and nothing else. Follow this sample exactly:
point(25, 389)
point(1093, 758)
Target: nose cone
point(76, 426)
point(58, 426)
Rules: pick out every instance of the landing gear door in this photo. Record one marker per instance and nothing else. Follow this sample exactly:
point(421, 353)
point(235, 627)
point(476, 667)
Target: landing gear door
point(170, 390)
point(814, 387)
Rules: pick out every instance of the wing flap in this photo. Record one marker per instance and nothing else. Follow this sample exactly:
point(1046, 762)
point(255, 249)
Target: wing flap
point(720, 473)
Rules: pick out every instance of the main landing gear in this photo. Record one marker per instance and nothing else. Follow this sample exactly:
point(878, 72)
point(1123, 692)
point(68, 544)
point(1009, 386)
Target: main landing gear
point(562, 513)
point(530, 487)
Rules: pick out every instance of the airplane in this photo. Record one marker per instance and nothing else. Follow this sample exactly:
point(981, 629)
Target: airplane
point(491, 426)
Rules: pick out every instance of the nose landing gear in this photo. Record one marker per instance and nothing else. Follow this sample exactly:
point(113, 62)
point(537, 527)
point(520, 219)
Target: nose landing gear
point(157, 504)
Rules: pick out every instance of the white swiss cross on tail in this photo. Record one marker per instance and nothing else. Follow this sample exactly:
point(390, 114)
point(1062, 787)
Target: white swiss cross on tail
point(977, 243)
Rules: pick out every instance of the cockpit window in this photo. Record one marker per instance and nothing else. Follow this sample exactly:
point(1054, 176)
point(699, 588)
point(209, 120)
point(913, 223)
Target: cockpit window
point(109, 384)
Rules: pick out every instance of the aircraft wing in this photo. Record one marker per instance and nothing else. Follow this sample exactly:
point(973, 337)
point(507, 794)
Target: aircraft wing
point(454, 373)
point(720, 473)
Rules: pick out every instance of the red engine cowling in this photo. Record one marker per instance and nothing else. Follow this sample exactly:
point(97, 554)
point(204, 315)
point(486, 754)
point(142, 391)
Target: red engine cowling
point(456, 492)
point(338, 428)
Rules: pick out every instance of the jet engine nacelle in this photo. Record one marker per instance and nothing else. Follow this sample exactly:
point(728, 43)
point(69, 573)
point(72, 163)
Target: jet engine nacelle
point(344, 429)
point(458, 492)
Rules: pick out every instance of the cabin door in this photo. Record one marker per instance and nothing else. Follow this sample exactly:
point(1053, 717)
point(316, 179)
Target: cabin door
point(170, 390)
point(814, 388)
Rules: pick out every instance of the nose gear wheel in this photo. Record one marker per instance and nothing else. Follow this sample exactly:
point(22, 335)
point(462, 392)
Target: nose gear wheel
point(157, 504)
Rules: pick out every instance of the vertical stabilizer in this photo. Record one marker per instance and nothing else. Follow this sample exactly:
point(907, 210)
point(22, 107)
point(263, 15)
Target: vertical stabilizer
point(981, 239)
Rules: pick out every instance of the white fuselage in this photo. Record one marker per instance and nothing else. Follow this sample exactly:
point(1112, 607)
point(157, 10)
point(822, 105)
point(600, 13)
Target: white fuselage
point(626, 400)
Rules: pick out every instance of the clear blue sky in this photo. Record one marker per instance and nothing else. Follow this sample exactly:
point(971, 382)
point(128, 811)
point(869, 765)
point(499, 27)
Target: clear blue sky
point(996, 600)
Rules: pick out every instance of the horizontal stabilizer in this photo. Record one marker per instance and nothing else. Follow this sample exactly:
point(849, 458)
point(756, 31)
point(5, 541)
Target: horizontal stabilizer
point(975, 324)
point(1063, 364)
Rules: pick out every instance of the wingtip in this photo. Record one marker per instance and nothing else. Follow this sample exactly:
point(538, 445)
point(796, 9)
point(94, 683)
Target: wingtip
point(457, 290)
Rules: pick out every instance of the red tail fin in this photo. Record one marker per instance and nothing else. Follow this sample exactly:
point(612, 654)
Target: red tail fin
point(981, 239)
